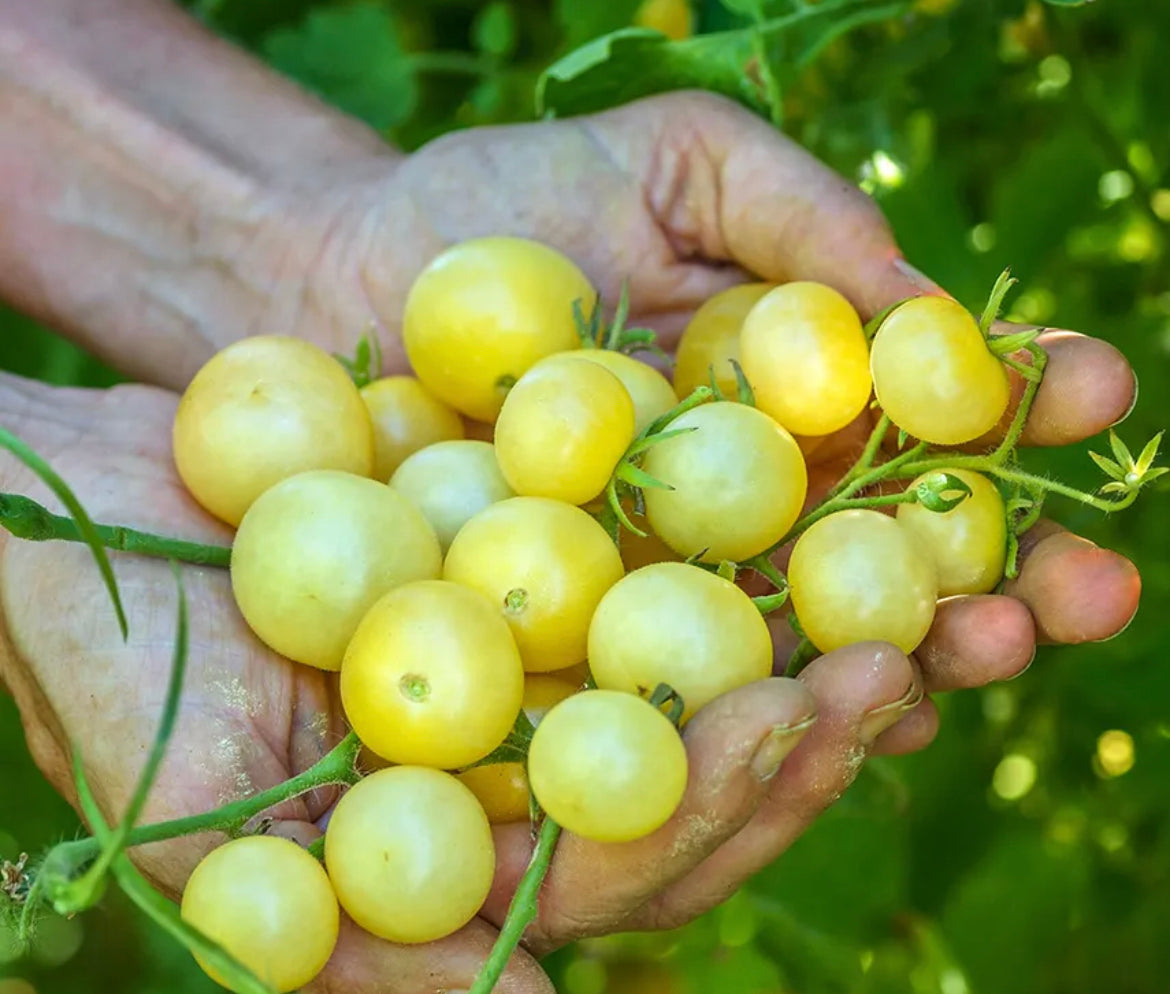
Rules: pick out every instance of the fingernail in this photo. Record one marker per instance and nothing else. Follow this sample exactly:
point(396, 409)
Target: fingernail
point(917, 277)
point(1132, 403)
point(776, 745)
point(879, 719)
point(1027, 666)
point(1121, 630)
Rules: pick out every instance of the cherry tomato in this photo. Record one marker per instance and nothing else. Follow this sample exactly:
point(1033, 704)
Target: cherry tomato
point(712, 340)
point(672, 17)
point(406, 417)
point(934, 375)
point(432, 676)
point(261, 410)
point(738, 482)
point(451, 482)
point(857, 576)
point(544, 567)
point(315, 551)
point(502, 788)
point(269, 904)
point(650, 391)
point(484, 311)
point(410, 854)
point(563, 429)
point(968, 543)
point(805, 356)
point(608, 766)
point(678, 624)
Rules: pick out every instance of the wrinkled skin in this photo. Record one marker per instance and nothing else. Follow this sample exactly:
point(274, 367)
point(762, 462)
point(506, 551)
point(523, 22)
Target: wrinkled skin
point(684, 194)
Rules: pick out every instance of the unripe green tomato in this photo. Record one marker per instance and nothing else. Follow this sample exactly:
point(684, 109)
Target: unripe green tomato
point(483, 311)
point(711, 340)
point(432, 676)
point(315, 551)
point(451, 482)
point(544, 566)
point(804, 354)
point(934, 374)
point(650, 391)
point(968, 543)
point(269, 904)
point(607, 765)
point(562, 430)
point(406, 417)
point(678, 624)
point(738, 483)
point(857, 576)
point(410, 854)
point(261, 410)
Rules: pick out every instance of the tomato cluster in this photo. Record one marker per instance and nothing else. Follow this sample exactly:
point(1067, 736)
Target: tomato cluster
point(472, 589)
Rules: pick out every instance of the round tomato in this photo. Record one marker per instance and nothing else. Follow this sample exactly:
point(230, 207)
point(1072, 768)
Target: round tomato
point(563, 429)
point(805, 356)
point(269, 904)
point(968, 543)
point(451, 482)
point(672, 17)
point(857, 576)
point(638, 638)
point(650, 391)
point(315, 551)
point(737, 479)
point(484, 311)
point(432, 676)
point(711, 340)
point(608, 766)
point(406, 417)
point(544, 567)
point(410, 854)
point(261, 410)
point(934, 374)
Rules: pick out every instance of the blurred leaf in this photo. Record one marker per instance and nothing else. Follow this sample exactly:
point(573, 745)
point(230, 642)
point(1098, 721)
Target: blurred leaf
point(352, 57)
point(494, 30)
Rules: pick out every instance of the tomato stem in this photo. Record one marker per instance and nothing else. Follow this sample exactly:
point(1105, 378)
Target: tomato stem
point(522, 910)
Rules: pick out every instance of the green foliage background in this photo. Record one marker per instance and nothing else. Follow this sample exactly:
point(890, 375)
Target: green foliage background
point(993, 132)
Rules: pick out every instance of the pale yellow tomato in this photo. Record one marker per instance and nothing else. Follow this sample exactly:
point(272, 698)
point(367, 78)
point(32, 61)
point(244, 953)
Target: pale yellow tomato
point(678, 624)
point(650, 391)
point(968, 543)
point(673, 18)
point(483, 311)
point(501, 789)
point(563, 429)
point(410, 854)
point(315, 551)
point(544, 690)
point(711, 339)
point(432, 676)
point(544, 567)
point(269, 904)
point(804, 353)
point(857, 576)
point(261, 410)
point(451, 482)
point(738, 482)
point(406, 417)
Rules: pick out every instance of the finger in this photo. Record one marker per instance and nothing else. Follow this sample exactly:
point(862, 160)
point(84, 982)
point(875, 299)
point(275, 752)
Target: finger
point(735, 746)
point(365, 964)
point(1088, 386)
point(976, 640)
point(861, 691)
point(1076, 591)
point(913, 732)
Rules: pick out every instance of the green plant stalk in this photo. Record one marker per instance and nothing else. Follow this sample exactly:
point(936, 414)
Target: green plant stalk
point(336, 767)
point(522, 910)
point(27, 519)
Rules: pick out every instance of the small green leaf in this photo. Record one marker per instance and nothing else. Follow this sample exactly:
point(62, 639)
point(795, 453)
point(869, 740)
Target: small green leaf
point(613, 499)
point(903, 436)
point(743, 390)
point(767, 603)
point(1148, 455)
point(613, 338)
point(1115, 488)
point(716, 390)
point(664, 693)
point(1150, 475)
point(932, 489)
point(726, 570)
point(635, 476)
point(1003, 345)
point(649, 441)
point(586, 326)
point(1108, 466)
point(1003, 284)
point(494, 30)
point(1122, 454)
